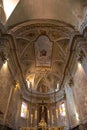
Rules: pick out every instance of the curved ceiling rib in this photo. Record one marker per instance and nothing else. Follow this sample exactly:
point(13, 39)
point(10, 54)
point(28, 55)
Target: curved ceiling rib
point(42, 60)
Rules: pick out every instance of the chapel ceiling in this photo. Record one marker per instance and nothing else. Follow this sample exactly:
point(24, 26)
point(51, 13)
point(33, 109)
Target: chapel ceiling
point(43, 31)
point(43, 49)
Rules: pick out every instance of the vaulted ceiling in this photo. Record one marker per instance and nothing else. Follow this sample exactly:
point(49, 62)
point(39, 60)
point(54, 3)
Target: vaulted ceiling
point(69, 11)
point(43, 50)
point(43, 31)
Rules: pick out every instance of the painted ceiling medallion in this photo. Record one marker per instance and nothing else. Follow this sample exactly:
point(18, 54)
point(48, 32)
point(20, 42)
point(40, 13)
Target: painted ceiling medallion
point(43, 51)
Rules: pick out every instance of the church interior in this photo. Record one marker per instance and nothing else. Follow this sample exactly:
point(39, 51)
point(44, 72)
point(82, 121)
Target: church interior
point(43, 64)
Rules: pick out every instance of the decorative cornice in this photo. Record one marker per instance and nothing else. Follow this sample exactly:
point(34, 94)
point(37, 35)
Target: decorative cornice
point(48, 98)
point(84, 25)
point(15, 27)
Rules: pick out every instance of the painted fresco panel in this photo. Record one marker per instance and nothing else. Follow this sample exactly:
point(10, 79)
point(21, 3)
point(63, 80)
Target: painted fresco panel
point(43, 51)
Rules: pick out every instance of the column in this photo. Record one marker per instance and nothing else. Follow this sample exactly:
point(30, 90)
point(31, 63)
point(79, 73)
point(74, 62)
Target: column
point(8, 104)
point(71, 107)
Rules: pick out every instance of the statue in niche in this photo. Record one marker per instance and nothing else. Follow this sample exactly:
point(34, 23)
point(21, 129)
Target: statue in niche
point(42, 122)
point(42, 112)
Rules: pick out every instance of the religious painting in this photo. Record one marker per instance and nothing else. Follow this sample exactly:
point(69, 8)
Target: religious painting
point(43, 51)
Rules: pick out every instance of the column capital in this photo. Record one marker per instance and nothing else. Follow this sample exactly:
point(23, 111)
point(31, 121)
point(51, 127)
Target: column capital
point(71, 82)
point(3, 56)
point(81, 56)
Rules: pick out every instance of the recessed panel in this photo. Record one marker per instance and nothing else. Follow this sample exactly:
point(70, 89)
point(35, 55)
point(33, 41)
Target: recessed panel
point(43, 51)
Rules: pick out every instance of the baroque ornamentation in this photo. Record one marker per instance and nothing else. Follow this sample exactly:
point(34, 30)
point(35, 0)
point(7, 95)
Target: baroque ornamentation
point(84, 24)
point(42, 46)
point(71, 82)
point(81, 56)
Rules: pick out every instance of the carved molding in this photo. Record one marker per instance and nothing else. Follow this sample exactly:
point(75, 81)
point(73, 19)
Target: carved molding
point(71, 82)
point(84, 25)
point(59, 33)
point(48, 98)
point(29, 32)
point(76, 53)
point(81, 56)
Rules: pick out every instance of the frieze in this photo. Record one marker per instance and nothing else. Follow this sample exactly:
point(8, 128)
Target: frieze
point(43, 28)
point(40, 25)
point(49, 97)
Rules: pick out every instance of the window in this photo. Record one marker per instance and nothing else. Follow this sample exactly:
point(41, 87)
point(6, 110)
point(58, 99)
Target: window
point(57, 88)
point(28, 83)
point(9, 6)
point(24, 110)
point(62, 109)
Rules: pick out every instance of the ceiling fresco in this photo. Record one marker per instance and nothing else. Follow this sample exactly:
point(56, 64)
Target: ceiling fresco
point(42, 50)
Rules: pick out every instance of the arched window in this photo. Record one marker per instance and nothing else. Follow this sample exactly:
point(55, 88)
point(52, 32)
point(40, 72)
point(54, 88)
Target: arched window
point(28, 83)
point(62, 109)
point(57, 87)
point(24, 110)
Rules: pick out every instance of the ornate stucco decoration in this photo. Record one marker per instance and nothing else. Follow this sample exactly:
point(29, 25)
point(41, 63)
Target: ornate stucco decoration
point(43, 65)
point(84, 24)
point(81, 56)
